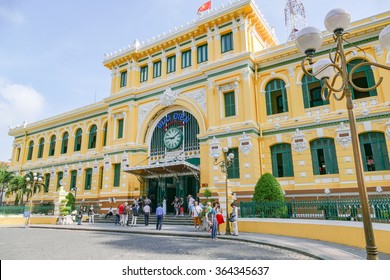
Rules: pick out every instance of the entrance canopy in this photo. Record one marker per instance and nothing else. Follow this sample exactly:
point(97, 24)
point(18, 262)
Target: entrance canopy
point(171, 169)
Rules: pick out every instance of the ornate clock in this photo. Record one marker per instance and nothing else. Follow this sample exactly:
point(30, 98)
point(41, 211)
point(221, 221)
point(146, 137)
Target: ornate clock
point(173, 138)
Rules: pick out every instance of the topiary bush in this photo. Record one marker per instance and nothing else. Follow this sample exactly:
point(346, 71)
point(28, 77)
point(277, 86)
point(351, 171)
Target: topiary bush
point(269, 196)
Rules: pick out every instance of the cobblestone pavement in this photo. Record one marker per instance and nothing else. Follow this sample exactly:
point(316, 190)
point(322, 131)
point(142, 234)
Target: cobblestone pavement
point(49, 244)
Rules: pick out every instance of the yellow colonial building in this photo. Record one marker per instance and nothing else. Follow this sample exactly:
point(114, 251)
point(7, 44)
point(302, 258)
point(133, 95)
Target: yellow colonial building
point(221, 81)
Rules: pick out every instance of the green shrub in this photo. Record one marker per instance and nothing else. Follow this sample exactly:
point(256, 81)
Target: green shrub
point(269, 196)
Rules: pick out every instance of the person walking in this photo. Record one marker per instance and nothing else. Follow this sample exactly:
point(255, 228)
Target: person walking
point(80, 217)
point(126, 211)
point(159, 216)
point(213, 221)
point(91, 215)
point(234, 219)
point(196, 212)
point(135, 215)
point(146, 214)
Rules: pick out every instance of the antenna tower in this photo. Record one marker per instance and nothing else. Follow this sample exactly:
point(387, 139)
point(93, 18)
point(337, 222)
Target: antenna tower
point(294, 18)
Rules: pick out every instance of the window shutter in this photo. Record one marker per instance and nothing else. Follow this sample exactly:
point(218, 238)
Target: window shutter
point(284, 97)
point(120, 128)
point(314, 158)
point(305, 92)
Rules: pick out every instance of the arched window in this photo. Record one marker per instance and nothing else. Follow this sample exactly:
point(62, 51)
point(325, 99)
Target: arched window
point(73, 179)
point(363, 78)
point(88, 179)
point(373, 147)
point(311, 90)
point(92, 137)
point(105, 134)
point(52, 148)
point(282, 164)
point(60, 175)
point(64, 146)
point(47, 182)
point(323, 154)
point(40, 147)
point(276, 97)
point(30, 150)
point(77, 140)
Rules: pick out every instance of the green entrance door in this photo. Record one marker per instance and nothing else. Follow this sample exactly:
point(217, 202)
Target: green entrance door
point(170, 187)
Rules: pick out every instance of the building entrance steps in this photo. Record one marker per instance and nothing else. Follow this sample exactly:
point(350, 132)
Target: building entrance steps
point(314, 248)
point(168, 219)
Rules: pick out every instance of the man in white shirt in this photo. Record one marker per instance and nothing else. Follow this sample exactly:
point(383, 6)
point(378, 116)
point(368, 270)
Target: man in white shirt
point(191, 201)
point(196, 211)
point(146, 214)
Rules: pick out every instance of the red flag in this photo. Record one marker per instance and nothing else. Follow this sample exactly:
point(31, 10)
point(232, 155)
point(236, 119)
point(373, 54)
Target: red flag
point(206, 6)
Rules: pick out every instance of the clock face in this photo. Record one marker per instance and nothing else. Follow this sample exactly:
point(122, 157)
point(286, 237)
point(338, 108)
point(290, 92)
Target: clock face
point(173, 138)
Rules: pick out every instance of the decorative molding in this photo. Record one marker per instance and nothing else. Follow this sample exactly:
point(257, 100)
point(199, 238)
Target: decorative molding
point(343, 135)
point(66, 171)
point(245, 144)
point(169, 97)
point(199, 96)
point(387, 130)
point(144, 110)
point(95, 167)
point(299, 142)
point(79, 169)
point(125, 160)
point(107, 162)
point(291, 71)
point(215, 148)
point(52, 172)
point(378, 50)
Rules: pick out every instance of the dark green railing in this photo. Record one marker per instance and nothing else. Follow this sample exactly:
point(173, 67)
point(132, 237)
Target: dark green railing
point(328, 209)
point(11, 210)
point(20, 209)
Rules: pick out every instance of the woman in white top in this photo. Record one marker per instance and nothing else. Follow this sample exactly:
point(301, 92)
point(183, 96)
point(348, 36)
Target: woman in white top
point(234, 218)
point(164, 203)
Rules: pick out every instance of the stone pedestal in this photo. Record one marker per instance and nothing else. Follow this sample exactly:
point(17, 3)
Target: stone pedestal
point(57, 201)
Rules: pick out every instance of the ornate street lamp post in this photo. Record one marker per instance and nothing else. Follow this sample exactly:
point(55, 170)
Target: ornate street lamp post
point(224, 165)
point(334, 69)
point(31, 181)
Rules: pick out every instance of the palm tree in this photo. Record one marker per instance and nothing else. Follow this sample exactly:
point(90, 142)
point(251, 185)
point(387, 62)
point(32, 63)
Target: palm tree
point(34, 184)
point(5, 178)
point(17, 187)
point(26, 185)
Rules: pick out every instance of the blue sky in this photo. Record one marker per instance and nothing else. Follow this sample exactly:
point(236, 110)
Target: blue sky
point(51, 52)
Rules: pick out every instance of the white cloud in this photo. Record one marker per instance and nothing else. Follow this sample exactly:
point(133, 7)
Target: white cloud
point(12, 16)
point(17, 104)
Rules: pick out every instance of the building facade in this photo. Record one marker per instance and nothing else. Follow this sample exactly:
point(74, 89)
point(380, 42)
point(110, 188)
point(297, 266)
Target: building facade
point(222, 81)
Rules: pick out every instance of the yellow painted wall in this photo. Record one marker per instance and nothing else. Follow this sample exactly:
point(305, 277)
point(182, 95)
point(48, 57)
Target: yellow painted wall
point(335, 232)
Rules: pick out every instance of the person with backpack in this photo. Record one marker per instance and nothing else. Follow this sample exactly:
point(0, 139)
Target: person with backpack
point(80, 217)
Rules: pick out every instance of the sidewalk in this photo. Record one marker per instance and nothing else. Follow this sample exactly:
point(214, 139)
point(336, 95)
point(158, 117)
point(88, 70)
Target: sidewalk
point(313, 248)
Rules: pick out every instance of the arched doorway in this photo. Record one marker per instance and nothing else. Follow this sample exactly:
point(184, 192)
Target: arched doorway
point(173, 158)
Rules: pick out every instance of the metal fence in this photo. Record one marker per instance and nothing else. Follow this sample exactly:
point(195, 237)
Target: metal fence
point(20, 209)
point(328, 209)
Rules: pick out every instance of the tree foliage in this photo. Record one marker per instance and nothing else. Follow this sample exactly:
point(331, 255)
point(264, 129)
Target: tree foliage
point(71, 201)
point(207, 193)
point(5, 179)
point(267, 189)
